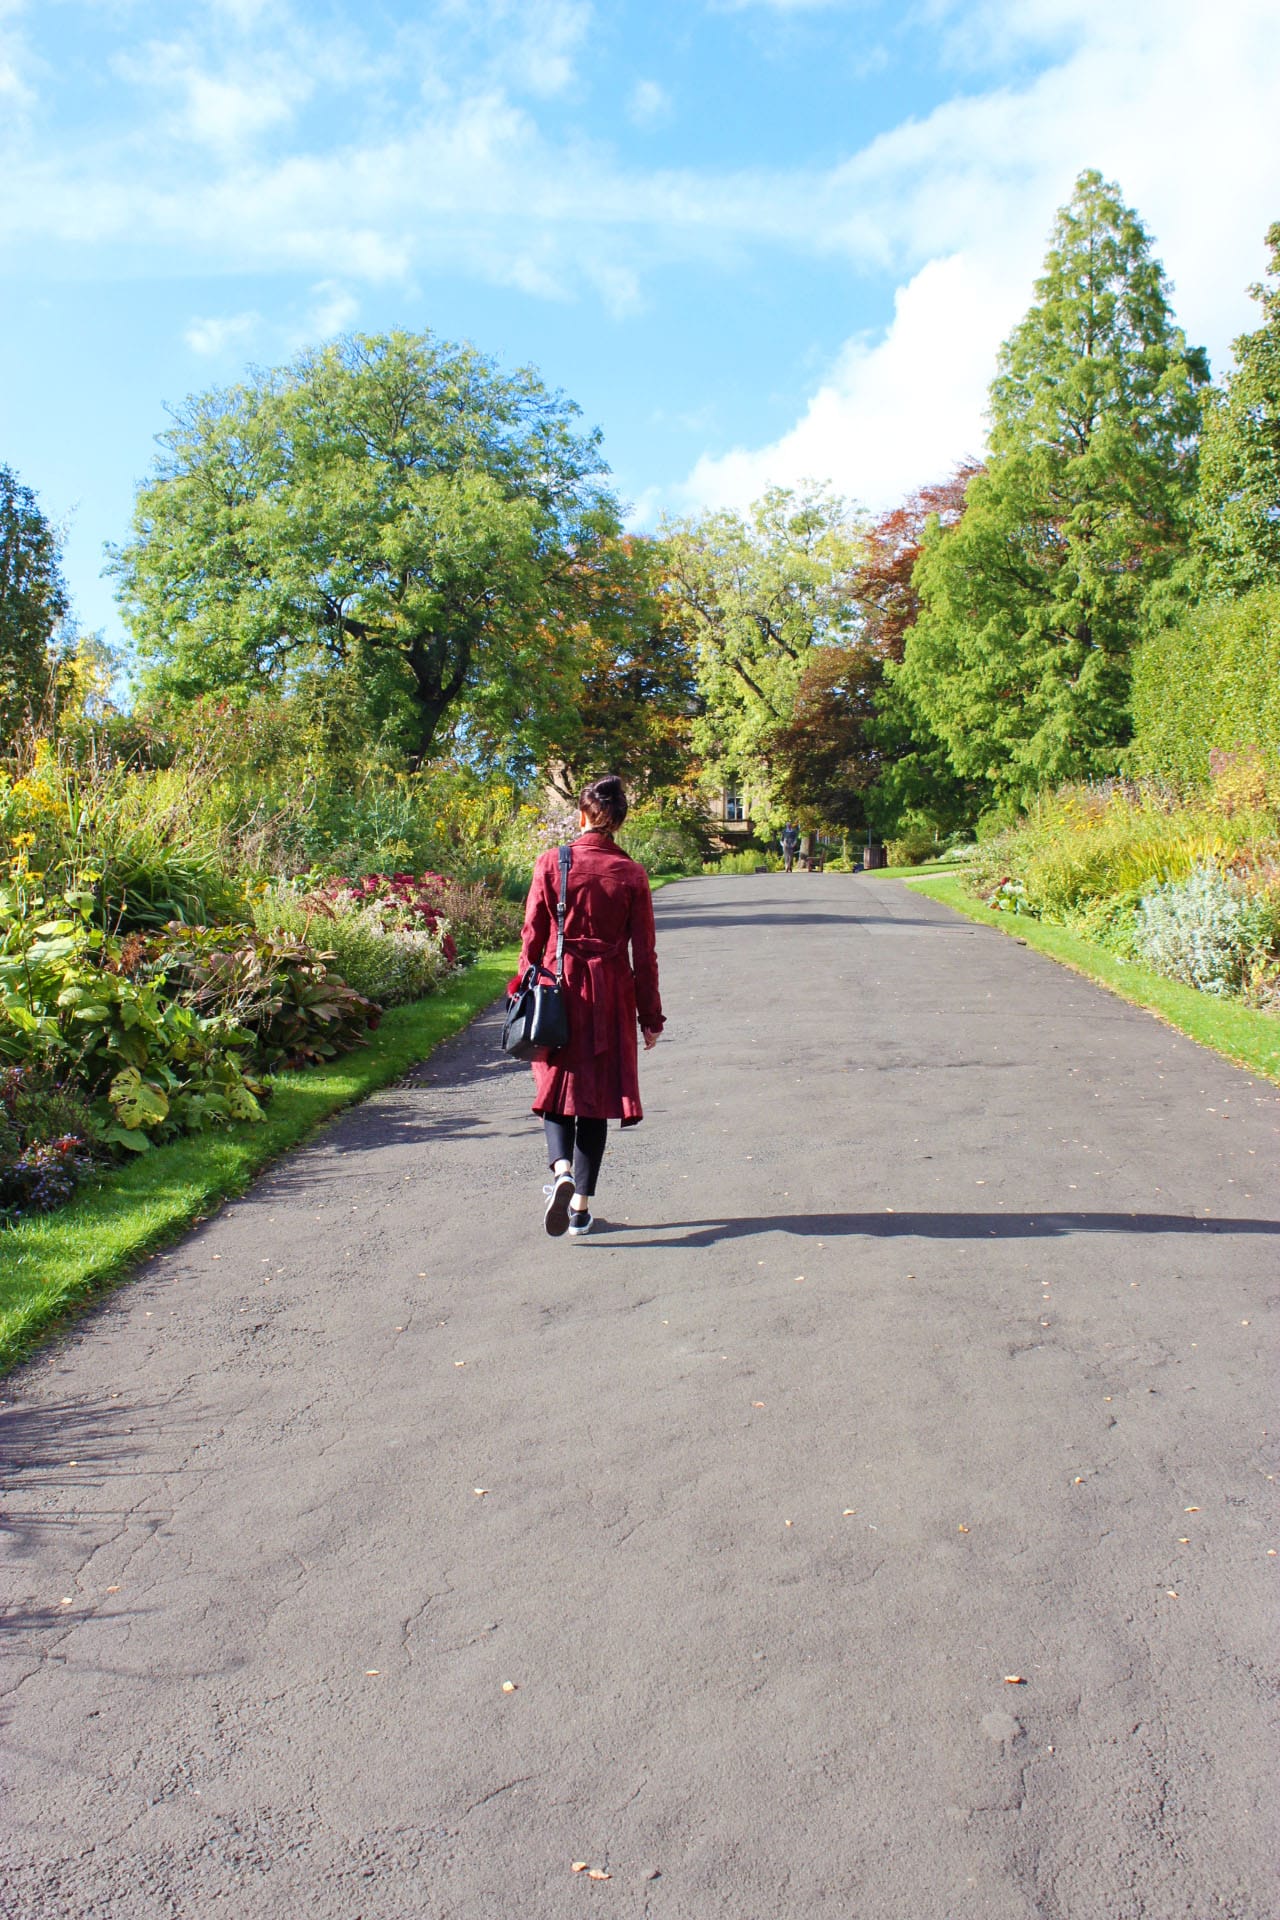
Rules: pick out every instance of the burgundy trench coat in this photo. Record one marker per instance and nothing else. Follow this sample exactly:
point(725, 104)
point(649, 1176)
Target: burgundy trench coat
point(609, 996)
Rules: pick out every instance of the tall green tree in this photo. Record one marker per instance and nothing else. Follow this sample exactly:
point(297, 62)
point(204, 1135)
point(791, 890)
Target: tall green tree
point(1238, 508)
point(390, 507)
point(635, 692)
point(33, 602)
point(1019, 660)
point(757, 594)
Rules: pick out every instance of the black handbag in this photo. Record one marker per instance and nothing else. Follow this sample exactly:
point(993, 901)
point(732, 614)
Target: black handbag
point(537, 1019)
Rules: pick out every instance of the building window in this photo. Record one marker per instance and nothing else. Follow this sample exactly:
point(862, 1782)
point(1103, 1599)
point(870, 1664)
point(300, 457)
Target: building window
point(733, 807)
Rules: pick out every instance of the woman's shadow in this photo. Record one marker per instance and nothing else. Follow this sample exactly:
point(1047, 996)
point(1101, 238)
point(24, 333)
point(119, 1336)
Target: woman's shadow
point(926, 1226)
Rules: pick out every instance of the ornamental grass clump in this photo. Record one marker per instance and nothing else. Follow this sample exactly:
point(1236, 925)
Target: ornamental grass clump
point(1206, 930)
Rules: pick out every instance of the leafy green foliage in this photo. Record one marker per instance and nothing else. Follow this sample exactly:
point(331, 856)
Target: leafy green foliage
point(33, 602)
point(390, 507)
point(161, 1033)
point(635, 690)
point(745, 860)
point(1209, 682)
point(1019, 660)
point(755, 596)
point(295, 1009)
point(667, 835)
point(45, 1129)
point(1111, 841)
point(385, 963)
point(1238, 507)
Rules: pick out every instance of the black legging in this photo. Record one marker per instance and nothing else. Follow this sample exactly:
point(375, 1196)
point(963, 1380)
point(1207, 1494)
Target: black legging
point(572, 1137)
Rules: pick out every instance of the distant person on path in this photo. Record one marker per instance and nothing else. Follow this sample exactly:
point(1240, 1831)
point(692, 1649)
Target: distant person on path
point(595, 1078)
point(790, 844)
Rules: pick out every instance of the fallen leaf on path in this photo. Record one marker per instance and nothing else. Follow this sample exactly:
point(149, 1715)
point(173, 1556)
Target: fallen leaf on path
point(1191, 1509)
point(1014, 1680)
point(479, 1492)
point(371, 1673)
point(788, 1523)
point(848, 1513)
point(509, 1686)
point(598, 1873)
point(579, 1866)
point(962, 1529)
point(1079, 1480)
point(757, 1403)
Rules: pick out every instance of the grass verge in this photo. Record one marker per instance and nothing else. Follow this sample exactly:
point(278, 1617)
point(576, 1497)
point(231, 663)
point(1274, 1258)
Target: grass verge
point(1249, 1038)
point(913, 873)
point(54, 1262)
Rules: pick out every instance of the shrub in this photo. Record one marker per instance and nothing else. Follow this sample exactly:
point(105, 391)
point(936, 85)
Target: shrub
point(279, 992)
point(745, 861)
point(1212, 681)
point(1206, 930)
point(666, 836)
point(152, 842)
point(385, 964)
point(45, 1129)
point(160, 1032)
point(912, 848)
point(1111, 840)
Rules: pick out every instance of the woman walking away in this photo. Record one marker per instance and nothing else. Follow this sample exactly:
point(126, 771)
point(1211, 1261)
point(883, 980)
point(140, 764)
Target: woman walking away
point(594, 1079)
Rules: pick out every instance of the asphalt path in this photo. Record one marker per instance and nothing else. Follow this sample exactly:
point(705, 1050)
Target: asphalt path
point(873, 1520)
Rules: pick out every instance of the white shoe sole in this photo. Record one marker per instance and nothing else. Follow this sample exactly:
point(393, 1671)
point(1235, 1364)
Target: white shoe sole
point(556, 1217)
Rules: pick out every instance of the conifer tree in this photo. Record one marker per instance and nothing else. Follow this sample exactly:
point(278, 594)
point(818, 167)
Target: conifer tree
point(33, 601)
point(1019, 660)
point(1238, 509)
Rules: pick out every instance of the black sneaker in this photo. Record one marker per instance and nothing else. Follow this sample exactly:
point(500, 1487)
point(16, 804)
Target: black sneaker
point(580, 1221)
point(556, 1217)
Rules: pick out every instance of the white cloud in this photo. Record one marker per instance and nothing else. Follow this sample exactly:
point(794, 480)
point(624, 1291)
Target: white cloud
point(649, 104)
point(878, 424)
point(335, 310)
point(436, 149)
point(223, 109)
point(218, 335)
point(776, 6)
point(15, 89)
point(1143, 93)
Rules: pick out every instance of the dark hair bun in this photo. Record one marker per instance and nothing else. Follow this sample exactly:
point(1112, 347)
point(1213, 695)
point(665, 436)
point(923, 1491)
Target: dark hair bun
point(605, 802)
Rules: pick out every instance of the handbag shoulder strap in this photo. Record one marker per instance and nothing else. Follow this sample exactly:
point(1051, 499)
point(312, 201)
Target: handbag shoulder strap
point(566, 855)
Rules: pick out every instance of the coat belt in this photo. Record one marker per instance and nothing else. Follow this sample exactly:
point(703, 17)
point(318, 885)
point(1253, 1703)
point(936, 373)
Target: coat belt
point(597, 954)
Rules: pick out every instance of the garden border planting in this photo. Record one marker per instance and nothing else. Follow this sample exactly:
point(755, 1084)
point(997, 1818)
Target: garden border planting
point(1242, 1034)
point(51, 1264)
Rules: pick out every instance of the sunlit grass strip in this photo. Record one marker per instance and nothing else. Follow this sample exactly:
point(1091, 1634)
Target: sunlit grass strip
point(54, 1262)
point(917, 872)
point(1250, 1038)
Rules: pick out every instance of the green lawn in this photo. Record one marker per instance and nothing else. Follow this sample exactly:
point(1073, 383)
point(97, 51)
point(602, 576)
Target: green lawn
point(1249, 1038)
point(54, 1262)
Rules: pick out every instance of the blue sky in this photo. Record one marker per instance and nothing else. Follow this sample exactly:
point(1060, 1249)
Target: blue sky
point(756, 240)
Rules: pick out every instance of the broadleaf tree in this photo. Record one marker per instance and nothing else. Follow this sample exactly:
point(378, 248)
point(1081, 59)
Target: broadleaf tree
point(390, 507)
point(826, 755)
point(635, 687)
point(1019, 659)
point(757, 593)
